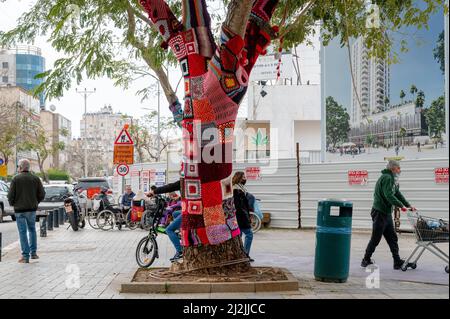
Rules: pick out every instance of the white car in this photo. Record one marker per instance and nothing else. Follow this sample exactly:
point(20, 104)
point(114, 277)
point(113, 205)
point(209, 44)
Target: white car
point(5, 208)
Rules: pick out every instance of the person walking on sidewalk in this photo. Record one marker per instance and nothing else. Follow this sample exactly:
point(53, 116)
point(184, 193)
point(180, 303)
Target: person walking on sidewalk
point(25, 194)
point(387, 195)
point(243, 210)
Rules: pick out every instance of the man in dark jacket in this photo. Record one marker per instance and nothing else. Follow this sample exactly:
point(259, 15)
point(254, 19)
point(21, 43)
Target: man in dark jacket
point(25, 194)
point(387, 195)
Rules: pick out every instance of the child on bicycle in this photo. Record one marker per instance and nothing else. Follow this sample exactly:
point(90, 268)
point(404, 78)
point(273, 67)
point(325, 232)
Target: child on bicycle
point(173, 206)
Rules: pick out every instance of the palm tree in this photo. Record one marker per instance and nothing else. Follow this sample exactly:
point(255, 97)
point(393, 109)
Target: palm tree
point(413, 91)
point(402, 95)
point(420, 101)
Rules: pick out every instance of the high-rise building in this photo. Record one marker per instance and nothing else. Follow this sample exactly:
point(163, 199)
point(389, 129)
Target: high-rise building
point(19, 67)
point(371, 91)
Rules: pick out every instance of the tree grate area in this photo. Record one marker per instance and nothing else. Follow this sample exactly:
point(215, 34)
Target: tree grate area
point(256, 274)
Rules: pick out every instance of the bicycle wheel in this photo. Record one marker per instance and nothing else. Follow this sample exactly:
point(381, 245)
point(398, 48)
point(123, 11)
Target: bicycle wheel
point(255, 222)
point(146, 251)
point(131, 224)
point(92, 219)
point(106, 220)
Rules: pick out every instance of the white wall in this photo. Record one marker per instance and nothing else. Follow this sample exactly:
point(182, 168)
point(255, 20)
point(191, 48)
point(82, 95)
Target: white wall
point(282, 107)
point(307, 133)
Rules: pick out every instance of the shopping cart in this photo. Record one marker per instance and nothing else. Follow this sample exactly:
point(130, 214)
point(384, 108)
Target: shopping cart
point(429, 232)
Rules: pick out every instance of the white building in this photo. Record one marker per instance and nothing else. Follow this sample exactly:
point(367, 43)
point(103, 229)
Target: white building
point(284, 113)
point(372, 84)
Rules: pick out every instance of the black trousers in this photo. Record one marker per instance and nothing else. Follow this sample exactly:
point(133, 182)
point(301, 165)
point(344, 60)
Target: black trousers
point(383, 225)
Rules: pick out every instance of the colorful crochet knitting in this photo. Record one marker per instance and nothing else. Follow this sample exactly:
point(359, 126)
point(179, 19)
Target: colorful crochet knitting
point(215, 82)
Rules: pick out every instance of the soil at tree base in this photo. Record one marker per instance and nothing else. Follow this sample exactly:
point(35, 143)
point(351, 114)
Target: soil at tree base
point(215, 275)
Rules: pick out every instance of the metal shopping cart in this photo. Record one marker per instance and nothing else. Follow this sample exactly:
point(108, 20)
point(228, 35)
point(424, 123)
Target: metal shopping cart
point(429, 232)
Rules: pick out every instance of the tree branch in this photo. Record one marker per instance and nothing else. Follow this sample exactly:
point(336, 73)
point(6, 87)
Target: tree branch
point(237, 16)
point(298, 19)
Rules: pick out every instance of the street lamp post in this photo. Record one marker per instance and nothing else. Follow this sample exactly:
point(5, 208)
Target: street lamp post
point(85, 93)
point(159, 118)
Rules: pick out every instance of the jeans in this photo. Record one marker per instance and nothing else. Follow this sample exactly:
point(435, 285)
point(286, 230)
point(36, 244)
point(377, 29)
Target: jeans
point(170, 231)
point(248, 239)
point(383, 225)
point(26, 224)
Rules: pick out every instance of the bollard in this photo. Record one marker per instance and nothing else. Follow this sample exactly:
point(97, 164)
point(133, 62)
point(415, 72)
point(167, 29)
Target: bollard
point(61, 216)
point(43, 226)
point(55, 218)
point(50, 220)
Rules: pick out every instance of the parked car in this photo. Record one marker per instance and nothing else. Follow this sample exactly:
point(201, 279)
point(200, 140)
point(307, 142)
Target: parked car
point(54, 197)
point(5, 208)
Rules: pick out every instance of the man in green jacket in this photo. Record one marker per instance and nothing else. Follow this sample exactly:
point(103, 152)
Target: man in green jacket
point(25, 194)
point(387, 195)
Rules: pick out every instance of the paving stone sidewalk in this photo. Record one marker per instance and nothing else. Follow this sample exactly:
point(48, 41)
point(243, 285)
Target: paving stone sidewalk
point(92, 264)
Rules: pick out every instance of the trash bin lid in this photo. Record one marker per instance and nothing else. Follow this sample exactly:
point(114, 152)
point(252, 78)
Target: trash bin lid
point(336, 202)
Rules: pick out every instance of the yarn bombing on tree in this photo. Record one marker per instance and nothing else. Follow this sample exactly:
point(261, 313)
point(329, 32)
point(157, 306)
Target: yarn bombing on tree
point(215, 82)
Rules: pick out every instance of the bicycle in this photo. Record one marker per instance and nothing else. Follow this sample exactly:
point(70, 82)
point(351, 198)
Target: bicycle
point(147, 248)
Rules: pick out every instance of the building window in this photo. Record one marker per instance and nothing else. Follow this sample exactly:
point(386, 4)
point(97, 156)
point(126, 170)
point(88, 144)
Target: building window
point(4, 79)
point(5, 65)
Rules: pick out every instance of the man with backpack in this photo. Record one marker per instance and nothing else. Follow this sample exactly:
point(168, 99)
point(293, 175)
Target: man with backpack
point(387, 195)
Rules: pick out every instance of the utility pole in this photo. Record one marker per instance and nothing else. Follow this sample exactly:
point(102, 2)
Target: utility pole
point(446, 35)
point(324, 104)
point(159, 123)
point(85, 93)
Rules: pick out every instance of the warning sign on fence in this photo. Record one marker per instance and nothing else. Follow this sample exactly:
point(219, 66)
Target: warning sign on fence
point(253, 173)
point(358, 177)
point(441, 175)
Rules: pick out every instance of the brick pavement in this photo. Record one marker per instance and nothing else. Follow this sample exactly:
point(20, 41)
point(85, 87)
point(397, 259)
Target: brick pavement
point(102, 260)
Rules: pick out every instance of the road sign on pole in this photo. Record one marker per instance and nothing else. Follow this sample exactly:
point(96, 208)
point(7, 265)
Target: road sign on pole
point(124, 148)
point(123, 169)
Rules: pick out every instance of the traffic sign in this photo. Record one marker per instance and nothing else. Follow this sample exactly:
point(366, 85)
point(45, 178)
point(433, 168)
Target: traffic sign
point(3, 171)
point(123, 169)
point(124, 154)
point(124, 138)
point(124, 148)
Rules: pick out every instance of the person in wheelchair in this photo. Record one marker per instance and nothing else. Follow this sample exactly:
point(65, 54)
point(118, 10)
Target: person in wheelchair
point(105, 204)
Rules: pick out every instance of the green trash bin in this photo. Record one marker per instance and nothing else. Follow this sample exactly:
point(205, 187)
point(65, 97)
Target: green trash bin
point(333, 240)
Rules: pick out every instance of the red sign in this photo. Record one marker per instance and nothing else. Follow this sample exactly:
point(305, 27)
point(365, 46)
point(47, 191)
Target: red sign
point(253, 173)
point(123, 169)
point(441, 175)
point(358, 177)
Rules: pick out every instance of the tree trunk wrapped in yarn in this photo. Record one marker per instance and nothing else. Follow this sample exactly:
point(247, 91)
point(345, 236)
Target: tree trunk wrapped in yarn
point(215, 82)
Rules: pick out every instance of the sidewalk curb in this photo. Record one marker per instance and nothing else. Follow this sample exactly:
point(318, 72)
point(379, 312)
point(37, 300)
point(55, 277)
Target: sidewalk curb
point(10, 247)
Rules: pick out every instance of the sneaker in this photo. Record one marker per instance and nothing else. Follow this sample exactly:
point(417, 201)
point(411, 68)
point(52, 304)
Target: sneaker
point(399, 263)
point(161, 229)
point(23, 261)
point(34, 257)
point(366, 262)
point(177, 256)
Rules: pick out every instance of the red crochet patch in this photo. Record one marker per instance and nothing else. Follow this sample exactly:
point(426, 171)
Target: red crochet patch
point(211, 194)
point(213, 216)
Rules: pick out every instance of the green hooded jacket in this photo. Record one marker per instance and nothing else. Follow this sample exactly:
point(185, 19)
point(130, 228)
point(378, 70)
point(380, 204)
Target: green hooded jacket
point(387, 193)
